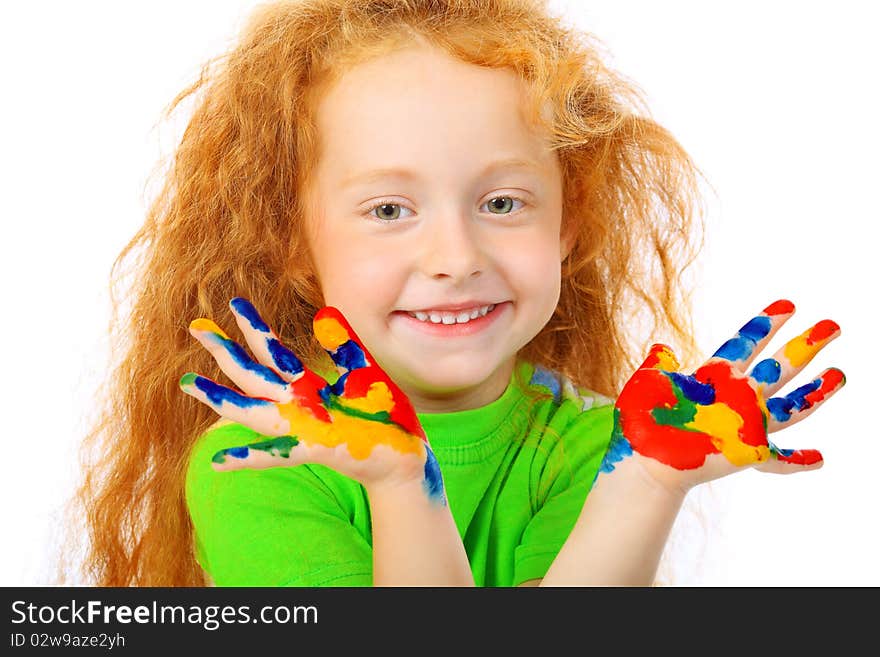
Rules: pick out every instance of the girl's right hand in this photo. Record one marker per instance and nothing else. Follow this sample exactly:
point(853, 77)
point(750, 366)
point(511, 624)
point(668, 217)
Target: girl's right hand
point(685, 429)
point(362, 426)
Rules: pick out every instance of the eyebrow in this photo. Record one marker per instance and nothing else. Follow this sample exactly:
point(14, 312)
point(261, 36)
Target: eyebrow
point(394, 172)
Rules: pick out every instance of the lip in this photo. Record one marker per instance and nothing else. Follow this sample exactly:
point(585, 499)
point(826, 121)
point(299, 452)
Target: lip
point(452, 307)
point(454, 330)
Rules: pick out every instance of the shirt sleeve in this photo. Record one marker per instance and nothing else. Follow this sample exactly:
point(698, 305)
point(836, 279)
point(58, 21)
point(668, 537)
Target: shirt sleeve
point(579, 439)
point(304, 525)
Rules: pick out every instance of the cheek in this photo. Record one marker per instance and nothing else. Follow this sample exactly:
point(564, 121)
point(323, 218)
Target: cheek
point(537, 271)
point(356, 277)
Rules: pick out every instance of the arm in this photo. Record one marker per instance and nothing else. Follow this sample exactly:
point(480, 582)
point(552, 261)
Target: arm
point(623, 528)
point(415, 541)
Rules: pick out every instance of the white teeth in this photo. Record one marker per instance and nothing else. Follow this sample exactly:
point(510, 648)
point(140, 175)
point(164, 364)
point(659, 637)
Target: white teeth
point(463, 317)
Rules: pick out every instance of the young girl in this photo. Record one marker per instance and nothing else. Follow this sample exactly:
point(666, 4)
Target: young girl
point(464, 234)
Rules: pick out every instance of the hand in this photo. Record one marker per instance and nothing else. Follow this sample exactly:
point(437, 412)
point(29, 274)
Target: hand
point(362, 426)
point(688, 429)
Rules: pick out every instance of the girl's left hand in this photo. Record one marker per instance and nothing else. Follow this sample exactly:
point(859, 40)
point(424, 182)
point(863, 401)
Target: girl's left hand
point(685, 429)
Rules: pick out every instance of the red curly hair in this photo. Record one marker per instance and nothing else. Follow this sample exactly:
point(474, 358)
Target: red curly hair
point(229, 220)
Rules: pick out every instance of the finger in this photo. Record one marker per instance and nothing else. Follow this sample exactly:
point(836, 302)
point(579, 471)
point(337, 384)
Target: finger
point(788, 461)
point(774, 372)
point(253, 378)
point(800, 403)
point(263, 341)
point(363, 386)
point(339, 340)
point(263, 454)
point(307, 388)
point(661, 357)
point(261, 415)
point(755, 334)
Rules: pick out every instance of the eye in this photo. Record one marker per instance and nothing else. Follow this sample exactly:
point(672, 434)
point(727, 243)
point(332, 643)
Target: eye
point(502, 202)
point(386, 211)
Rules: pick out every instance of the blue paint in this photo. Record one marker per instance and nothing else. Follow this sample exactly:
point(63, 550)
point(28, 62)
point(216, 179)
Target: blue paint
point(237, 452)
point(218, 394)
point(548, 379)
point(757, 328)
point(618, 449)
point(336, 388)
point(349, 355)
point(735, 349)
point(778, 450)
point(283, 357)
point(433, 483)
point(781, 408)
point(246, 309)
point(767, 371)
point(742, 346)
point(243, 360)
point(694, 390)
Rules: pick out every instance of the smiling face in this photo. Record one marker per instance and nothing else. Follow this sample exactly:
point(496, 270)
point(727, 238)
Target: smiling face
point(470, 220)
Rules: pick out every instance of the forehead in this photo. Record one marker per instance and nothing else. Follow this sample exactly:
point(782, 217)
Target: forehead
point(420, 104)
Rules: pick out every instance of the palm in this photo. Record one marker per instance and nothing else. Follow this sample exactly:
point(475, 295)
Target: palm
point(362, 425)
point(689, 428)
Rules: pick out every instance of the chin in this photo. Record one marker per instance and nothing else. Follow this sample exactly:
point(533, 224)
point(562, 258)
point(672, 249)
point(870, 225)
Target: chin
point(441, 376)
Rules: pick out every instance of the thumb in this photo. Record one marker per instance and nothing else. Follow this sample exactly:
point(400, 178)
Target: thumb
point(661, 357)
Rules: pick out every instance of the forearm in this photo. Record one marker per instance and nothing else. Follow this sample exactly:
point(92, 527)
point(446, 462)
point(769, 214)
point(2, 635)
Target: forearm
point(415, 540)
point(620, 534)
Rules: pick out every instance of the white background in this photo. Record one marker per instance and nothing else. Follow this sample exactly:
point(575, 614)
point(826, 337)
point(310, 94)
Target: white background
point(777, 103)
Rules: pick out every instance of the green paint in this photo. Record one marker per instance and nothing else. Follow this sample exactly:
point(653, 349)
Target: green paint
point(381, 416)
point(187, 379)
point(279, 446)
point(679, 415)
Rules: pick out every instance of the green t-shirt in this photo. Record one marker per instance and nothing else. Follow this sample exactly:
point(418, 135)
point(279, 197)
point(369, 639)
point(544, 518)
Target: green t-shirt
point(516, 474)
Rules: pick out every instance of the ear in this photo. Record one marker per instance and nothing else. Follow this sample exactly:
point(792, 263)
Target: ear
point(566, 243)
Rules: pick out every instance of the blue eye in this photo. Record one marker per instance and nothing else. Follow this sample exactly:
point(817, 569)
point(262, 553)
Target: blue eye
point(388, 214)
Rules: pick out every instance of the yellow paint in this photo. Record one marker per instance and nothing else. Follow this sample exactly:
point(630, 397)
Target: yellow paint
point(377, 399)
point(762, 403)
point(798, 352)
point(202, 324)
point(723, 424)
point(360, 435)
point(666, 360)
point(330, 333)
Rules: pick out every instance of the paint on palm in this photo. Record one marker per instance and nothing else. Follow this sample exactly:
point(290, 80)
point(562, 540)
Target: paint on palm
point(362, 409)
point(680, 419)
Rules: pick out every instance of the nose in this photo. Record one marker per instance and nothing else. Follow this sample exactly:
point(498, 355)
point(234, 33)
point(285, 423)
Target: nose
point(452, 247)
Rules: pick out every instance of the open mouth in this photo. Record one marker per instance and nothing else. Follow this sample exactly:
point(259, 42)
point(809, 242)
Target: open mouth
point(447, 317)
point(453, 323)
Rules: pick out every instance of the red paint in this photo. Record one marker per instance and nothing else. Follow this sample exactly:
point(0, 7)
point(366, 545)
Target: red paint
point(402, 413)
point(802, 457)
point(822, 331)
point(679, 448)
point(359, 381)
point(305, 391)
point(736, 393)
point(831, 380)
point(653, 359)
point(781, 307)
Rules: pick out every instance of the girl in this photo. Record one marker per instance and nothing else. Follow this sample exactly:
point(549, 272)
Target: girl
point(476, 255)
